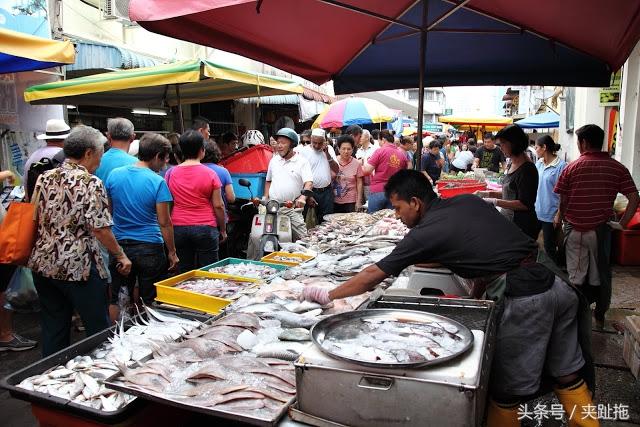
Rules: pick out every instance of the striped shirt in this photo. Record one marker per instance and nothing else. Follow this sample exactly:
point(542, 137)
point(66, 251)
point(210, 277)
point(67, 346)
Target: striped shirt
point(590, 185)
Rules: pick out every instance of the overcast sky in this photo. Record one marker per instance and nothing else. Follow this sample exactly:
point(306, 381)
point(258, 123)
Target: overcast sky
point(480, 100)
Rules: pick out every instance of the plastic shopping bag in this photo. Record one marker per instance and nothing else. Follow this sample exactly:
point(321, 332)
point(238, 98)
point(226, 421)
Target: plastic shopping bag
point(310, 219)
point(21, 294)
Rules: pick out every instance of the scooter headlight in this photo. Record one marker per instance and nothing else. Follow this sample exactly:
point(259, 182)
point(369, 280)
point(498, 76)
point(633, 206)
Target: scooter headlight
point(272, 206)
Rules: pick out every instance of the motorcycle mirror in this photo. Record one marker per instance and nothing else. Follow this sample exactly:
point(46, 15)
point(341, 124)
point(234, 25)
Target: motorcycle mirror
point(244, 182)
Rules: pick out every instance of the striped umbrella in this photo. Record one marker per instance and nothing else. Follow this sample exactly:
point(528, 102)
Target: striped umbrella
point(24, 52)
point(353, 111)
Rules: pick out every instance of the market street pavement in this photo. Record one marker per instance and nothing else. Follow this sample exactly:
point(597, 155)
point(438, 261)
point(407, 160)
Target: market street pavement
point(616, 385)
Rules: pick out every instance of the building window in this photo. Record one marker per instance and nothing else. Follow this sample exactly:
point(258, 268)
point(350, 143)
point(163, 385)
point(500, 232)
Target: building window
point(429, 95)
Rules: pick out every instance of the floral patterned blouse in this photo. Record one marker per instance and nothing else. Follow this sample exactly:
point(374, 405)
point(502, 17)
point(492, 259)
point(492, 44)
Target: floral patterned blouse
point(70, 202)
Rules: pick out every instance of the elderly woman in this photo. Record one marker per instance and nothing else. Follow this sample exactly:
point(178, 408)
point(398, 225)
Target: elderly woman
point(73, 216)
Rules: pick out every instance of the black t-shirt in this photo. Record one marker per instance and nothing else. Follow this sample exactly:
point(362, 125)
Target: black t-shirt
point(490, 159)
point(464, 234)
point(522, 184)
point(429, 164)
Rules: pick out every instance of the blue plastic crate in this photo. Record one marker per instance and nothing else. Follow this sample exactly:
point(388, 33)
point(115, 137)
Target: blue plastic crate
point(257, 181)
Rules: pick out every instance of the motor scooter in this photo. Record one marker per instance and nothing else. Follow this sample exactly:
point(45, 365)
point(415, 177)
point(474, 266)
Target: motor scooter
point(268, 229)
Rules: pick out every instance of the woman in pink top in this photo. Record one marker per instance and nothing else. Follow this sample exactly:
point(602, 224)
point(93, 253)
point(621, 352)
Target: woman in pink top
point(348, 183)
point(386, 161)
point(198, 209)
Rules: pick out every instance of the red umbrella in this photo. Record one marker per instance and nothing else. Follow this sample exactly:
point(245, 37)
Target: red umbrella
point(365, 45)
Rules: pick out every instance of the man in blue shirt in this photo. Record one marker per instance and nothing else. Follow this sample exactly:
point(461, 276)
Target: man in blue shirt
point(120, 134)
point(140, 202)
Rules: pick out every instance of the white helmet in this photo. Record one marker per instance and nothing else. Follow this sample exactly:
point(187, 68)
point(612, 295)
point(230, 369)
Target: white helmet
point(252, 137)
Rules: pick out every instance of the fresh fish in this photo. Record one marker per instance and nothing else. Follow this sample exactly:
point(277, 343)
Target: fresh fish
point(302, 306)
point(293, 320)
point(212, 388)
point(279, 354)
point(142, 377)
point(261, 308)
point(210, 370)
point(244, 320)
point(296, 334)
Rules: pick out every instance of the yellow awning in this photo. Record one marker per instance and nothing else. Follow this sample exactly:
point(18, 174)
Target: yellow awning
point(24, 52)
point(197, 81)
point(489, 123)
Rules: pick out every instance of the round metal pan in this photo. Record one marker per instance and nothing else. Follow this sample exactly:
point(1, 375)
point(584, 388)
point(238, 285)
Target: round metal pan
point(323, 329)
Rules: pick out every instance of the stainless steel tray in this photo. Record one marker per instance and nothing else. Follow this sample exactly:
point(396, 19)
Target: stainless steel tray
point(323, 329)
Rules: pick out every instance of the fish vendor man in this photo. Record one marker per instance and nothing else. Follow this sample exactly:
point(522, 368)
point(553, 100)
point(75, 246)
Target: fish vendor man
point(537, 332)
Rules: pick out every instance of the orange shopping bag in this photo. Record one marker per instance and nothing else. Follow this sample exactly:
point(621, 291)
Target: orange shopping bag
point(18, 233)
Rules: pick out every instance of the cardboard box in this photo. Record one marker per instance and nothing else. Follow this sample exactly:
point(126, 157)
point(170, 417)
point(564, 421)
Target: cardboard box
point(631, 348)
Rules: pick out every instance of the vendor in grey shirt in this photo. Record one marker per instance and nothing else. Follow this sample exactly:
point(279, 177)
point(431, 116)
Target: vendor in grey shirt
point(538, 327)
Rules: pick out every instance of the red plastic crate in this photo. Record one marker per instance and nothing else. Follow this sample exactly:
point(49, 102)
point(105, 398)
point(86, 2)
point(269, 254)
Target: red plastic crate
point(446, 193)
point(626, 247)
point(253, 160)
point(466, 181)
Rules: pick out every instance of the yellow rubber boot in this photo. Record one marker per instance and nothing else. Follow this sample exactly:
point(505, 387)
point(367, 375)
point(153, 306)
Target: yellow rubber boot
point(502, 416)
point(578, 404)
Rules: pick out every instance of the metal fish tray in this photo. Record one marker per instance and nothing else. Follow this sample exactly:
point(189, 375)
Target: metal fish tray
point(113, 383)
point(324, 328)
point(80, 348)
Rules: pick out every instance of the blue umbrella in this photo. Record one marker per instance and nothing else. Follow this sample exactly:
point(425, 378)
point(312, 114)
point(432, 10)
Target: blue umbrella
point(540, 121)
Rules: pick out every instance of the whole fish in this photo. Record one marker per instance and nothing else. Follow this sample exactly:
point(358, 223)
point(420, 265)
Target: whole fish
point(293, 320)
point(295, 334)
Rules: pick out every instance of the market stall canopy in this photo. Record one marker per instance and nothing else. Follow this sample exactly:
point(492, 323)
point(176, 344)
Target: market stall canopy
point(469, 42)
point(353, 111)
point(489, 123)
point(24, 52)
point(197, 80)
point(540, 121)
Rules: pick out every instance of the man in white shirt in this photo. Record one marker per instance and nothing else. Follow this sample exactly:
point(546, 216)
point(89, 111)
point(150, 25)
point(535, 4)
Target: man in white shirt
point(288, 176)
point(323, 168)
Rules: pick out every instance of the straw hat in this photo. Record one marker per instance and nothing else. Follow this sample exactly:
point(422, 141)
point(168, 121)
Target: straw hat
point(56, 129)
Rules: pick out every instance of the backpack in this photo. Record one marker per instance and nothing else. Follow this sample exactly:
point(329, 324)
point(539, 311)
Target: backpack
point(38, 168)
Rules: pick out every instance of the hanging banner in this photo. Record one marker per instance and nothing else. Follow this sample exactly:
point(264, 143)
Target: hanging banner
point(612, 130)
point(610, 96)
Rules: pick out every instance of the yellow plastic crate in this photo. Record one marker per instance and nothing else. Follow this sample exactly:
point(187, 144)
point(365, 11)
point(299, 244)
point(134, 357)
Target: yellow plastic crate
point(302, 257)
point(168, 293)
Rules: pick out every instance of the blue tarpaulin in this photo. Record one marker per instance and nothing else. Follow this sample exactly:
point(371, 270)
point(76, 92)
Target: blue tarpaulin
point(539, 121)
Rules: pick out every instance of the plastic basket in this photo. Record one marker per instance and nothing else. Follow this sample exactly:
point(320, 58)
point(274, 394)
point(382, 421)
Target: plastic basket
point(253, 160)
point(271, 258)
point(447, 193)
point(228, 261)
point(169, 294)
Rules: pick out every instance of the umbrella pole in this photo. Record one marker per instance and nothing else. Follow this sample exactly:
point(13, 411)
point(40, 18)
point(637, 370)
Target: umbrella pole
point(180, 116)
point(423, 52)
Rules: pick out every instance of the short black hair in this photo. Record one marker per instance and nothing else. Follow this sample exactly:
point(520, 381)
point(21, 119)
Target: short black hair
point(354, 130)
point(375, 134)
point(548, 143)
point(199, 123)
point(406, 140)
point(346, 139)
point(191, 142)
point(593, 135)
point(152, 145)
point(386, 135)
point(489, 135)
point(227, 137)
point(516, 137)
point(211, 152)
point(306, 132)
point(434, 144)
point(409, 183)
point(471, 141)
